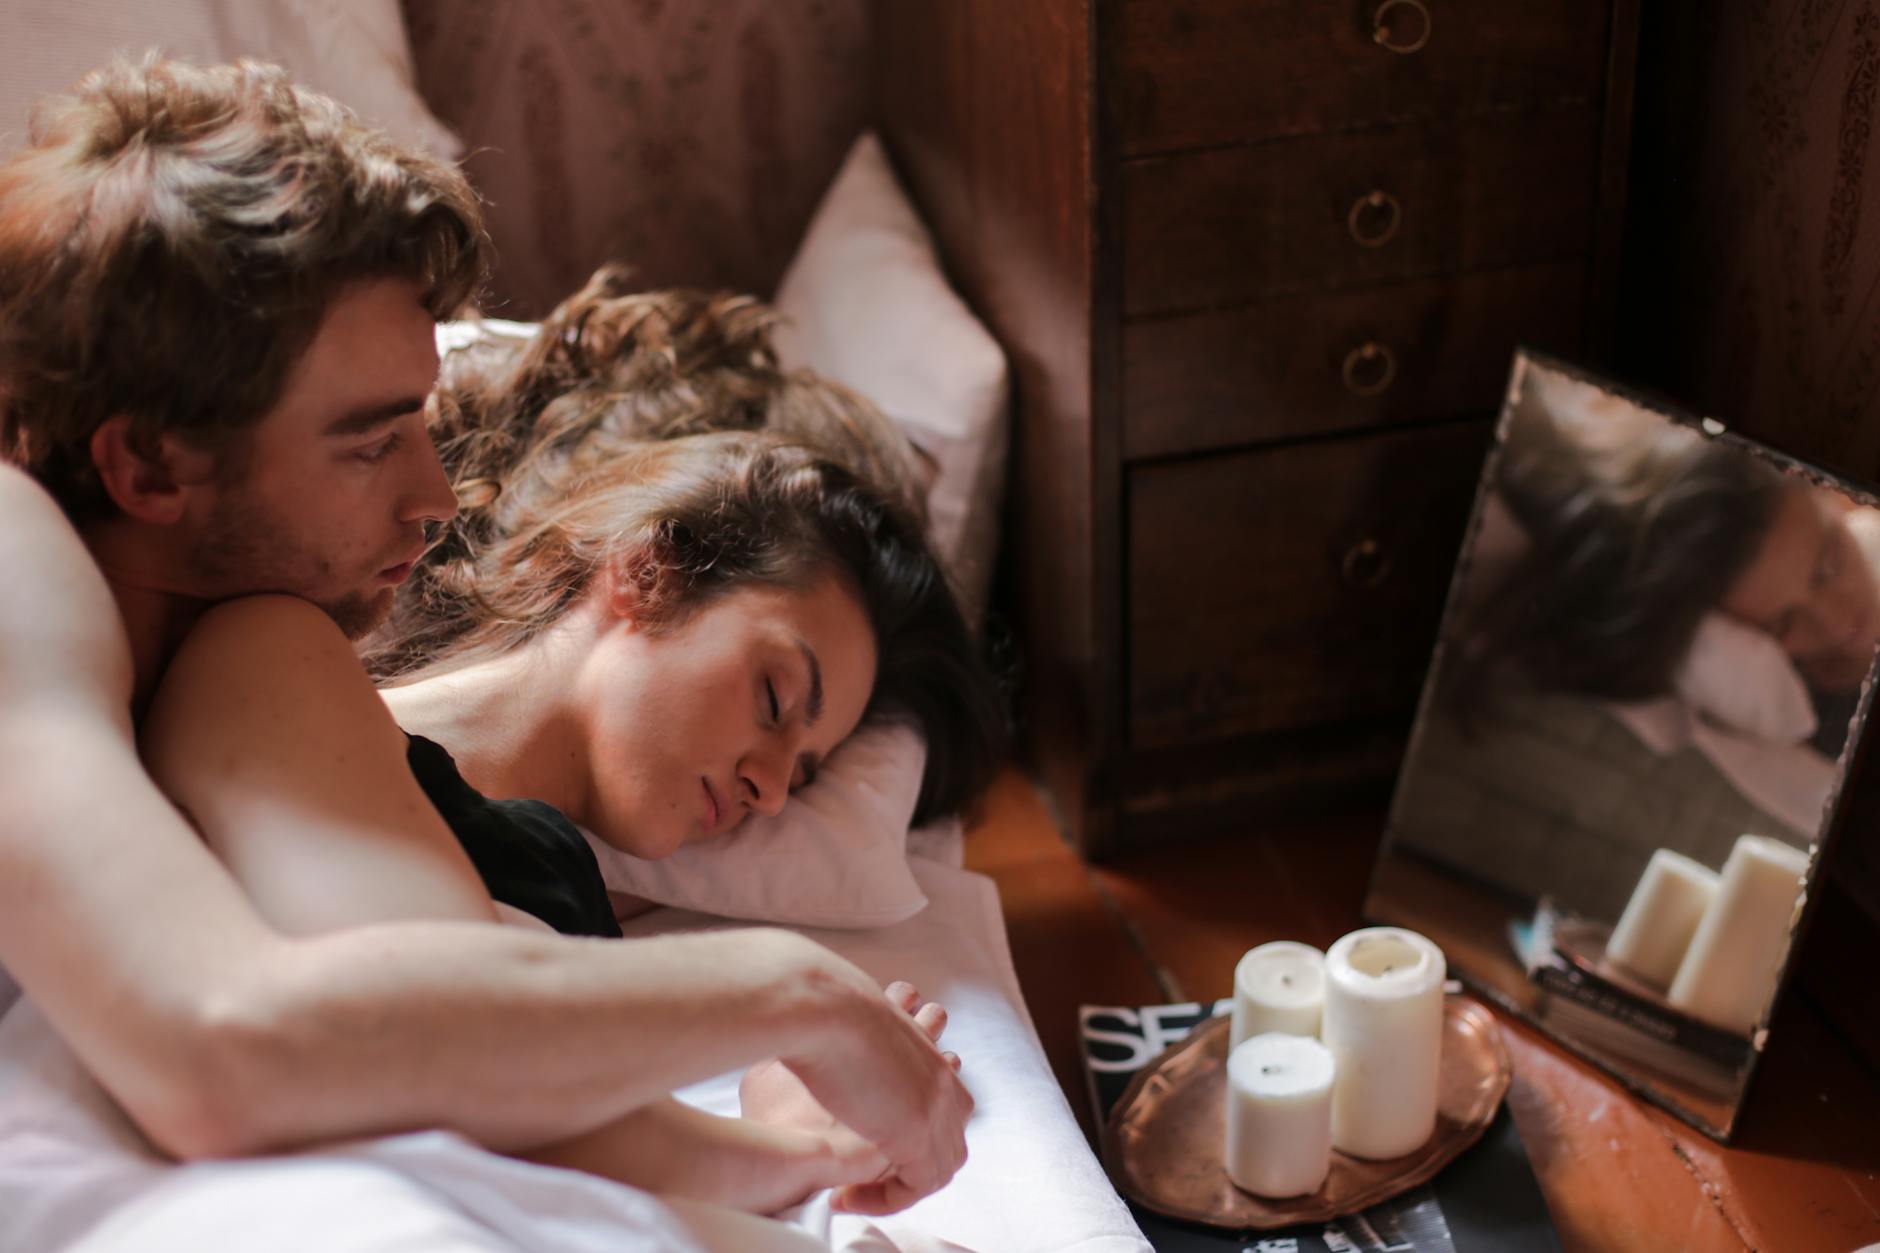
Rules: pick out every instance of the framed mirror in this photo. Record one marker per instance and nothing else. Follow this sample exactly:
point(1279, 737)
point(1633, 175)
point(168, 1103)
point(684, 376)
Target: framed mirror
point(1654, 667)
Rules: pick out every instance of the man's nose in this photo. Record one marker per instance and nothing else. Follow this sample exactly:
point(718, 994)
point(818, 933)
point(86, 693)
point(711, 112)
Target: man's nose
point(430, 497)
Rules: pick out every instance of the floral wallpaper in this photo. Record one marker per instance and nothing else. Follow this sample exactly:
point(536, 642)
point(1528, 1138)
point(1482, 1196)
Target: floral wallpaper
point(691, 139)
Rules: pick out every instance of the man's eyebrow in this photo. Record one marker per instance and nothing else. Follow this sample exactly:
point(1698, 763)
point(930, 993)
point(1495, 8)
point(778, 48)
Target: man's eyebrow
point(813, 710)
point(359, 421)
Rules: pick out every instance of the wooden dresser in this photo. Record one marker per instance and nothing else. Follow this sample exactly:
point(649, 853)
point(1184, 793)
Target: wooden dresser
point(1260, 268)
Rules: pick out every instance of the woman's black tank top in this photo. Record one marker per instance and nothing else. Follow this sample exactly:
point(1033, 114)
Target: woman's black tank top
point(529, 854)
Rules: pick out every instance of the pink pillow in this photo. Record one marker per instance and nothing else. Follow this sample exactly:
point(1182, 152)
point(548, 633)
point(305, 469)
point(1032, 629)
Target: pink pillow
point(865, 303)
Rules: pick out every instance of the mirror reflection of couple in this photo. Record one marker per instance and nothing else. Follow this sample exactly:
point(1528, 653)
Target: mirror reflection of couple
point(217, 299)
point(1660, 643)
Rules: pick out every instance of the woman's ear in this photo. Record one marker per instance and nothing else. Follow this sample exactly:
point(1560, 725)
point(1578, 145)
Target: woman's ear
point(150, 486)
point(624, 591)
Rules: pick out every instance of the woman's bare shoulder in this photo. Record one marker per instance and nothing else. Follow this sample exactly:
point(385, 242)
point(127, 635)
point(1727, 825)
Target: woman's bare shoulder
point(60, 629)
point(269, 657)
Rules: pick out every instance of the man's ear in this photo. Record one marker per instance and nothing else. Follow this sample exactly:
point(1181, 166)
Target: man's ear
point(149, 486)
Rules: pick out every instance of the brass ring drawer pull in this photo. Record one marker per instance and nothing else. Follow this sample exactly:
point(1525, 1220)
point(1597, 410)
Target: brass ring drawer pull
point(1366, 564)
point(1374, 219)
point(1381, 26)
point(1372, 382)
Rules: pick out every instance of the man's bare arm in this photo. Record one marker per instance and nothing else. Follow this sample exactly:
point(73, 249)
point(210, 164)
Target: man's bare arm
point(219, 1035)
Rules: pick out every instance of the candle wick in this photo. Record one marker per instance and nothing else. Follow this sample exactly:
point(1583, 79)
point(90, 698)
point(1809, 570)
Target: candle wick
point(1286, 979)
point(1269, 1070)
point(1389, 969)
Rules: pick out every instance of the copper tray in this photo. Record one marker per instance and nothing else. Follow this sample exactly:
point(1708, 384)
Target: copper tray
point(1165, 1137)
point(1584, 944)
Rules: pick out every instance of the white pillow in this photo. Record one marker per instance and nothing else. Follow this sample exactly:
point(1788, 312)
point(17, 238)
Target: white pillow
point(353, 50)
point(1743, 679)
point(865, 303)
point(835, 857)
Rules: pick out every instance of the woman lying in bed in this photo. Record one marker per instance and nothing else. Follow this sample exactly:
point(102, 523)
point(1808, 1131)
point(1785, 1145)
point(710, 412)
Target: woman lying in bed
point(607, 372)
point(672, 635)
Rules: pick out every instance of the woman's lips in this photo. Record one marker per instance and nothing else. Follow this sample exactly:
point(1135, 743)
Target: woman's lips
point(709, 823)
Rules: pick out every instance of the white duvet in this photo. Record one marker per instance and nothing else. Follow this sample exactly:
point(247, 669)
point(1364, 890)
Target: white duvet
point(75, 1174)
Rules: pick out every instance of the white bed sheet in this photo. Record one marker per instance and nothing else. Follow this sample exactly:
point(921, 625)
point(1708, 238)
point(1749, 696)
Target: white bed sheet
point(75, 1174)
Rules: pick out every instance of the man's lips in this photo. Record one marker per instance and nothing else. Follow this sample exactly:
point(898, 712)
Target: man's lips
point(402, 571)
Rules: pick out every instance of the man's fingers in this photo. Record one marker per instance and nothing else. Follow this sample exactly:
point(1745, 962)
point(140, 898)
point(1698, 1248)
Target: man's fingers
point(953, 1060)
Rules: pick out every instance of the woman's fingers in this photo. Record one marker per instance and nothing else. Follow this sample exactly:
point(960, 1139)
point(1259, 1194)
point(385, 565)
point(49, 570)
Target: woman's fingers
point(932, 1018)
point(931, 1015)
point(953, 1060)
point(887, 1196)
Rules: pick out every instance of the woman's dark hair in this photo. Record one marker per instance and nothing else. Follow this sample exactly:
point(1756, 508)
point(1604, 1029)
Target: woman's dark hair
point(573, 482)
point(1636, 528)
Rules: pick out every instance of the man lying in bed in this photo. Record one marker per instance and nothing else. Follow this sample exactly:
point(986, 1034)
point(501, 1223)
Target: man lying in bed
point(216, 307)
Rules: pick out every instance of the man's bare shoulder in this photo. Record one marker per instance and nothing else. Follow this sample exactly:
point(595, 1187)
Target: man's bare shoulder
point(60, 629)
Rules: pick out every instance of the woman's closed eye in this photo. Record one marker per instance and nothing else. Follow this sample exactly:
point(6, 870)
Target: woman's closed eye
point(776, 710)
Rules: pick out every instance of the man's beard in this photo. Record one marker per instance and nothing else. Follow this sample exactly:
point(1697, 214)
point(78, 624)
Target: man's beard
point(245, 550)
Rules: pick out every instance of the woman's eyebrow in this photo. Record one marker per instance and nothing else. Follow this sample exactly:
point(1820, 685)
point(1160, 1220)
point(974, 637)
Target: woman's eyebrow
point(813, 709)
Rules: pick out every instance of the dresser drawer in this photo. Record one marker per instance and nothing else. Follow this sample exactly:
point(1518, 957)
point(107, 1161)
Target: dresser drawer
point(1200, 73)
point(1305, 365)
point(1226, 227)
point(1291, 586)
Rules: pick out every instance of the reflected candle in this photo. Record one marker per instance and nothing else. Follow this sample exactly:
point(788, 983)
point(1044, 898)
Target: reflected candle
point(1729, 974)
point(1279, 1114)
point(1278, 987)
point(1656, 928)
point(1383, 1023)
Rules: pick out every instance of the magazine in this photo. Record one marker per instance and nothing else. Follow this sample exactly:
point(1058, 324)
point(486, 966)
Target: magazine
point(1486, 1201)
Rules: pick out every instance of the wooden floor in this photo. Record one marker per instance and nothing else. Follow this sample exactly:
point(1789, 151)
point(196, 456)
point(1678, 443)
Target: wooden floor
point(1804, 1176)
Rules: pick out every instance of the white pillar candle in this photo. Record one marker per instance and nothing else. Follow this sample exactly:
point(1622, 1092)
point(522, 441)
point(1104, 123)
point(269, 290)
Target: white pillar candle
point(1383, 1023)
point(1728, 975)
point(1279, 1115)
point(1278, 987)
point(1658, 922)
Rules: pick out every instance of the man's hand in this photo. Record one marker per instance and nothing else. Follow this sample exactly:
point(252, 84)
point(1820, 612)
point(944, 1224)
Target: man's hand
point(885, 1077)
point(771, 1093)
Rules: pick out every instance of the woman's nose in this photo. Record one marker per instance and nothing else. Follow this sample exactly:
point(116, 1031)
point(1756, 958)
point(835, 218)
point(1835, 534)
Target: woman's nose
point(766, 779)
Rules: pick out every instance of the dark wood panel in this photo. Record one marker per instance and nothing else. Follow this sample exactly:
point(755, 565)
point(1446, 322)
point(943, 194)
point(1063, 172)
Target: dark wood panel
point(1219, 228)
point(1209, 72)
point(986, 108)
point(1292, 585)
point(1413, 352)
